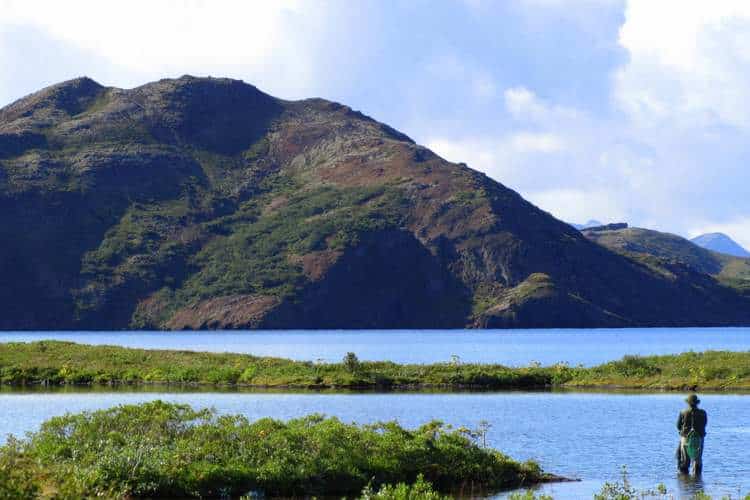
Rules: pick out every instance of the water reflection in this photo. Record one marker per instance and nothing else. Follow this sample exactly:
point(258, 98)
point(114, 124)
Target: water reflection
point(689, 485)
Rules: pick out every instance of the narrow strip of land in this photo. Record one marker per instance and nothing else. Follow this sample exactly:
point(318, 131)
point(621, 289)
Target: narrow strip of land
point(67, 363)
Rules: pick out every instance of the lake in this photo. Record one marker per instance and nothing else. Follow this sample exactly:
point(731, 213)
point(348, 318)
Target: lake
point(585, 435)
point(511, 347)
point(580, 435)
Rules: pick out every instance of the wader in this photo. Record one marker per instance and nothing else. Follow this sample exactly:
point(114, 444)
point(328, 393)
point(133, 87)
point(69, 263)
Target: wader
point(690, 447)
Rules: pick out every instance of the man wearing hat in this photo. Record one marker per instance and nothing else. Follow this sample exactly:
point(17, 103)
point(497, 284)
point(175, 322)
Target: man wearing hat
point(691, 425)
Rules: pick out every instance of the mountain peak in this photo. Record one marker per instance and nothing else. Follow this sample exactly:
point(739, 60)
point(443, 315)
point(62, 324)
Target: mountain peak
point(720, 242)
point(69, 96)
point(217, 114)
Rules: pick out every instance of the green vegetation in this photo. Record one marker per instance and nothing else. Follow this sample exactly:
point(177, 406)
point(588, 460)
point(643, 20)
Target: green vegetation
point(420, 490)
point(657, 250)
point(690, 370)
point(158, 449)
point(255, 255)
point(206, 245)
point(55, 363)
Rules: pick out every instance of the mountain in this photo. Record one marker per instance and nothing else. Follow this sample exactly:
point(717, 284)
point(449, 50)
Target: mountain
point(590, 223)
point(198, 203)
point(663, 249)
point(720, 242)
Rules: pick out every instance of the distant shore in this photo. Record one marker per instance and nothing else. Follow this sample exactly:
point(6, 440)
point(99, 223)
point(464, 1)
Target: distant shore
point(57, 363)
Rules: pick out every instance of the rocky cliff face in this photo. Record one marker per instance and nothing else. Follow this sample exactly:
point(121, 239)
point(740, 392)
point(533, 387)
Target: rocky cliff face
point(205, 203)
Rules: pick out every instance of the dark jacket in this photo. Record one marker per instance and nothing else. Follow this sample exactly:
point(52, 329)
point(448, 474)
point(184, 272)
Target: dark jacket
point(692, 418)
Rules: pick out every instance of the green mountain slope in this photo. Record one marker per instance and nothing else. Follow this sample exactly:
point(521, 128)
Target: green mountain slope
point(662, 249)
point(205, 203)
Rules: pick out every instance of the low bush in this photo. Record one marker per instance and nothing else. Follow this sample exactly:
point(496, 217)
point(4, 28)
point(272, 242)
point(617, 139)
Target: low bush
point(158, 449)
point(420, 490)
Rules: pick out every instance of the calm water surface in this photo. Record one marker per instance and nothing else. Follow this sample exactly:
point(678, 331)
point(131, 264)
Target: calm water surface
point(511, 347)
point(582, 435)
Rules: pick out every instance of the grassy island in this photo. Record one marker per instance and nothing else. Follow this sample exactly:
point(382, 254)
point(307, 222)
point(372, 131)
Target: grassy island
point(67, 363)
point(163, 450)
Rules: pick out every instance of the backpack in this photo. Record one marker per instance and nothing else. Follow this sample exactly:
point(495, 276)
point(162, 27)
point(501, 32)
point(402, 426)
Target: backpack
point(693, 441)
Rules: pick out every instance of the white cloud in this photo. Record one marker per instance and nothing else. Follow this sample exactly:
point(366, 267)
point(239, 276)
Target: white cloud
point(529, 142)
point(269, 43)
point(578, 205)
point(689, 63)
point(525, 105)
point(522, 103)
point(579, 166)
point(141, 34)
point(502, 158)
point(571, 183)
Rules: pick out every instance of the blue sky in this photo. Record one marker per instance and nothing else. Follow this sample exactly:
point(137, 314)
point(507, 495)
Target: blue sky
point(616, 110)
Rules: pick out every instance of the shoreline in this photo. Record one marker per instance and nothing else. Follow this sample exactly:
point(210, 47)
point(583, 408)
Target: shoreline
point(378, 389)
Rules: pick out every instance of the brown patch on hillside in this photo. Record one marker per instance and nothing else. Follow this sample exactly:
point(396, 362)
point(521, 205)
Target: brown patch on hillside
point(316, 264)
point(431, 184)
point(275, 204)
point(236, 311)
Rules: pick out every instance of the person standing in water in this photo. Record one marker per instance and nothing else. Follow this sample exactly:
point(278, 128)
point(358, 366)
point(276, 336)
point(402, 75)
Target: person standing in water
point(691, 424)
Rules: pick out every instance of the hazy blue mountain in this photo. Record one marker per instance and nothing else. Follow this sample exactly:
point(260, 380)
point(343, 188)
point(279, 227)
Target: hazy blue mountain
point(720, 242)
point(590, 223)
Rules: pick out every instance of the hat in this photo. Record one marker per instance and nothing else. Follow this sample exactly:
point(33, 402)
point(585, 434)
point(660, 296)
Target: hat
point(692, 399)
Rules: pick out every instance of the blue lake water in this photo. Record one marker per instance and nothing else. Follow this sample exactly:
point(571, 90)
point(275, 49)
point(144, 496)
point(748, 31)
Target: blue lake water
point(511, 347)
point(585, 435)
point(582, 435)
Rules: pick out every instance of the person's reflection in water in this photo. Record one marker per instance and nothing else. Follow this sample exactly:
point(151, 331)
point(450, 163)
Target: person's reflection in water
point(689, 486)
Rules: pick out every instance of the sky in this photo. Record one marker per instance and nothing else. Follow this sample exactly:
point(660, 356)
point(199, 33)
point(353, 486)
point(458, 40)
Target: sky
point(615, 110)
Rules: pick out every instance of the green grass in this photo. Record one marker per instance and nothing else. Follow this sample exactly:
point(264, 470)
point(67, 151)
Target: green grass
point(57, 363)
point(158, 449)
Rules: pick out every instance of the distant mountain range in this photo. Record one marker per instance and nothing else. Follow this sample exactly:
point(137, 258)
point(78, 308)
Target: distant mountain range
point(203, 203)
point(720, 242)
point(590, 223)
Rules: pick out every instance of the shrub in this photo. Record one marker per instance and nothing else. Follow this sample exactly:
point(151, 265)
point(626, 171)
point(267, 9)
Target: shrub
point(635, 366)
point(17, 473)
point(167, 450)
point(351, 362)
point(420, 490)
